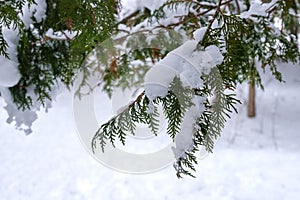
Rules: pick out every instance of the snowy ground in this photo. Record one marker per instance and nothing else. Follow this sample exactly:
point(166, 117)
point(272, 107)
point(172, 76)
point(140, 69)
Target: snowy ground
point(255, 158)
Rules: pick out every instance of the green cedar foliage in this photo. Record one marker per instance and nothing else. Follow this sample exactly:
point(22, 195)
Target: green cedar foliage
point(174, 106)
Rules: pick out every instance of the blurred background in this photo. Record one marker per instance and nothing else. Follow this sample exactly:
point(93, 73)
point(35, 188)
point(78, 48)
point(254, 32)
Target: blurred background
point(255, 158)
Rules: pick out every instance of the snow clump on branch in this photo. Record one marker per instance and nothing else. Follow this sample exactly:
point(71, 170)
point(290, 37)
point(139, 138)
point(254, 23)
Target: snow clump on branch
point(187, 63)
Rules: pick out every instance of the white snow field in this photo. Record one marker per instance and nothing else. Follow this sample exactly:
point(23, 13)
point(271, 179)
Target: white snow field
point(254, 159)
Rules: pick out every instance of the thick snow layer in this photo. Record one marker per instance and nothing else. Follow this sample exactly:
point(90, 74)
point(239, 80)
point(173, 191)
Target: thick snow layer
point(159, 77)
point(65, 35)
point(186, 48)
point(199, 34)
point(214, 52)
point(254, 159)
point(184, 61)
point(184, 139)
point(157, 81)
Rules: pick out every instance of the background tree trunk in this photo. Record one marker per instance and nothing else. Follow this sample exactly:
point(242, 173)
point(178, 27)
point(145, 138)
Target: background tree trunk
point(251, 101)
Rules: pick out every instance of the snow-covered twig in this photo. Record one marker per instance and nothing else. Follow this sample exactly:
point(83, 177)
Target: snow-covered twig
point(189, 17)
point(218, 8)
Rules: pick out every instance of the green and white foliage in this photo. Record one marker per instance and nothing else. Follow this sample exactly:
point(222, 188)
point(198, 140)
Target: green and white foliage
point(10, 11)
point(249, 34)
point(54, 48)
point(52, 40)
point(228, 41)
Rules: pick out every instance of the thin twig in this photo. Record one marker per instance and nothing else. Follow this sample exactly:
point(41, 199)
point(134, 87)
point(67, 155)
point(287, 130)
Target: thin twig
point(67, 37)
point(194, 16)
point(218, 8)
point(238, 6)
point(129, 17)
point(136, 100)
